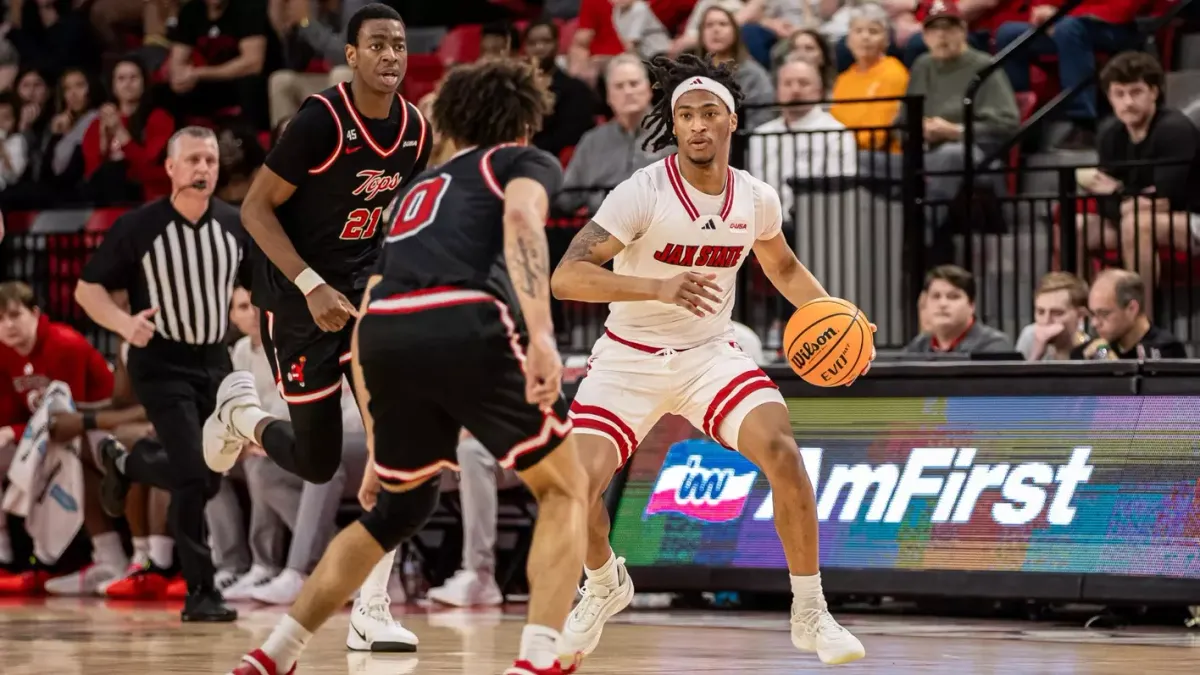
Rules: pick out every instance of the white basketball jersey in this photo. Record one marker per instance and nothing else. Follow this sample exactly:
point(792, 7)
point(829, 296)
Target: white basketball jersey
point(668, 227)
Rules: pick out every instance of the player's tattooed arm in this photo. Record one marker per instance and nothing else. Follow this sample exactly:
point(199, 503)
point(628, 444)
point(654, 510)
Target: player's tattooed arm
point(582, 277)
point(530, 257)
point(591, 244)
point(526, 251)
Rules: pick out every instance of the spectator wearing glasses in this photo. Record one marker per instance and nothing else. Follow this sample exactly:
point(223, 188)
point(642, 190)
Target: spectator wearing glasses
point(873, 75)
point(1123, 330)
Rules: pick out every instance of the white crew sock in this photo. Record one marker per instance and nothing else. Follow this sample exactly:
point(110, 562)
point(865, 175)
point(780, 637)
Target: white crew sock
point(539, 646)
point(246, 420)
point(162, 550)
point(141, 551)
point(607, 575)
point(376, 583)
point(285, 643)
point(108, 551)
point(807, 592)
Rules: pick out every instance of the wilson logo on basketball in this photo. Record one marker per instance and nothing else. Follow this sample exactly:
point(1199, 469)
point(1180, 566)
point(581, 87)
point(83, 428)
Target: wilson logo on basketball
point(806, 351)
point(375, 183)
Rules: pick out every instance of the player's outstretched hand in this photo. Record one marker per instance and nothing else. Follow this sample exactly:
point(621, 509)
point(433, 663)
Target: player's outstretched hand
point(692, 291)
point(330, 309)
point(543, 371)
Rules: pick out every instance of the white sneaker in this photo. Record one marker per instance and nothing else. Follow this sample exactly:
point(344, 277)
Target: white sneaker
point(223, 578)
point(222, 442)
point(282, 590)
point(86, 582)
point(815, 630)
point(372, 628)
point(468, 589)
point(598, 604)
point(244, 585)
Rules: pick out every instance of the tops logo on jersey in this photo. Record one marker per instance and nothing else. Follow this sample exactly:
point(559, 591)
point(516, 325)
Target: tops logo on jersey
point(700, 484)
point(375, 183)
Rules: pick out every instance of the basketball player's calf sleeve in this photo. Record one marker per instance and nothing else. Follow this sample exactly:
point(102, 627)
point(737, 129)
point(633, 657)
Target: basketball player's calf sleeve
point(398, 516)
point(310, 446)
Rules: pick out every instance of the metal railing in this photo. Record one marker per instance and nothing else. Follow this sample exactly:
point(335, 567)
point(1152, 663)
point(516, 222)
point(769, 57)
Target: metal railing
point(869, 235)
point(1145, 31)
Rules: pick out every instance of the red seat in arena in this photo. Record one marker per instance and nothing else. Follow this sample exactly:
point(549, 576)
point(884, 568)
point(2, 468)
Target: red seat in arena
point(461, 44)
point(424, 71)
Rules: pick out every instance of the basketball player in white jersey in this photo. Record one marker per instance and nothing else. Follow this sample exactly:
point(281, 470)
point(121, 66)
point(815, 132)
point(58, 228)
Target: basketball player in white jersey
point(677, 232)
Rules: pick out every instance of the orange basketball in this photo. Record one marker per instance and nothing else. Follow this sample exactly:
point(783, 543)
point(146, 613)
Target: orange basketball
point(828, 341)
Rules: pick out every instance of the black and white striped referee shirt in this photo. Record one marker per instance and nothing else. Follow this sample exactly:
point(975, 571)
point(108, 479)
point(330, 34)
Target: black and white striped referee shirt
point(187, 270)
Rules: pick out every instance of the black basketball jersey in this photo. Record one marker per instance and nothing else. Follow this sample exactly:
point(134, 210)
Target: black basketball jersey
point(448, 227)
point(347, 170)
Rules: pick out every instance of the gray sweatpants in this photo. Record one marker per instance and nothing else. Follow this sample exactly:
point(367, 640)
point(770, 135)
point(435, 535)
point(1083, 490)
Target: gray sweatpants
point(481, 477)
point(308, 510)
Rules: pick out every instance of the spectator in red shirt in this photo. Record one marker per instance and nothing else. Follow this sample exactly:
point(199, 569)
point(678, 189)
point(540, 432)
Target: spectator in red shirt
point(1095, 25)
point(595, 40)
point(34, 352)
point(124, 146)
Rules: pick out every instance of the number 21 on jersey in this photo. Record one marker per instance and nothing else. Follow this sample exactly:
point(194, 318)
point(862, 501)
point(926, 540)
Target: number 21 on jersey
point(419, 207)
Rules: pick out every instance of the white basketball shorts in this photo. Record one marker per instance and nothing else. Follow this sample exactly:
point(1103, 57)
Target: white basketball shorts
point(629, 386)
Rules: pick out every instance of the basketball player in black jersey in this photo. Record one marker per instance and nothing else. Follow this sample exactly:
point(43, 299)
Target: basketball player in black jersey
point(314, 211)
point(455, 331)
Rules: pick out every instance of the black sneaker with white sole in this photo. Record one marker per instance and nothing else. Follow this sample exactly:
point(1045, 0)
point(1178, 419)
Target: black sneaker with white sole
point(114, 485)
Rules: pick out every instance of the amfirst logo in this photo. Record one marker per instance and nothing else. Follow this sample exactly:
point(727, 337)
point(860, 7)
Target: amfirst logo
point(951, 475)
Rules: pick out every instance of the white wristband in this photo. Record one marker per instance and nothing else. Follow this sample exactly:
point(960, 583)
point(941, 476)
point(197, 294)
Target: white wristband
point(308, 280)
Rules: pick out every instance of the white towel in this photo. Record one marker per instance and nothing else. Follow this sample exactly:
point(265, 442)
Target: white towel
point(46, 480)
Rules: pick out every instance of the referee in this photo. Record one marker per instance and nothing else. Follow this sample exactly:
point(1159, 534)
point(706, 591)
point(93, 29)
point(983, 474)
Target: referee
point(163, 280)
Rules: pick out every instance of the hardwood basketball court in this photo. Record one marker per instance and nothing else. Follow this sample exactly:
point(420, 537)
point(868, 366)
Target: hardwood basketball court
point(88, 637)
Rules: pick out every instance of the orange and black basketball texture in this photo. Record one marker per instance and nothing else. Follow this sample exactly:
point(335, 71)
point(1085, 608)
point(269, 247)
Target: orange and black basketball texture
point(828, 341)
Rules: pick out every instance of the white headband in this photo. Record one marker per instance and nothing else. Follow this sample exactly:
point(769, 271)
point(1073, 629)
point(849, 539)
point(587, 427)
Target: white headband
point(706, 84)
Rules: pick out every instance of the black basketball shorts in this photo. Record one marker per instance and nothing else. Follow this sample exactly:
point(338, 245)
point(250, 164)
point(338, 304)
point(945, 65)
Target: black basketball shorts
point(307, 361)
point(436, 361)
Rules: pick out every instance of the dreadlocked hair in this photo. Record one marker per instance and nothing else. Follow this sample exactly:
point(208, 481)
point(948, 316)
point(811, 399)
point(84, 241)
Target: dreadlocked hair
point(667, 74)
point(492, 102)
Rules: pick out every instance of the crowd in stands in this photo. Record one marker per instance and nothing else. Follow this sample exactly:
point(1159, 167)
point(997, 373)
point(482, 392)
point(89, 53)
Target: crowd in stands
point(93, 90)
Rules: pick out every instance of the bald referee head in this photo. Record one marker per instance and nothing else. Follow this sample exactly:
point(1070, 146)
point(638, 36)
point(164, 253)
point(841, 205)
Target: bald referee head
point(193, 163)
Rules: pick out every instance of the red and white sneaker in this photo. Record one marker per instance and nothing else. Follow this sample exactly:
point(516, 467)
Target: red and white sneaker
point(148, 582)
point(176, 589)
point(527, 668)
point(258, 663)
point(25, 584)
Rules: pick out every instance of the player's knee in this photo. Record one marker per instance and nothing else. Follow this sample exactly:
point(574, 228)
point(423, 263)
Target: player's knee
point(319, 466)
point(566, 482)
point(777, 453)
point(318, 437)
point(398, 516)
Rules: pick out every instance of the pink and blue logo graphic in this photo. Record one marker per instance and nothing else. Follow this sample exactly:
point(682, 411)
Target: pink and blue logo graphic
point(702, 481)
